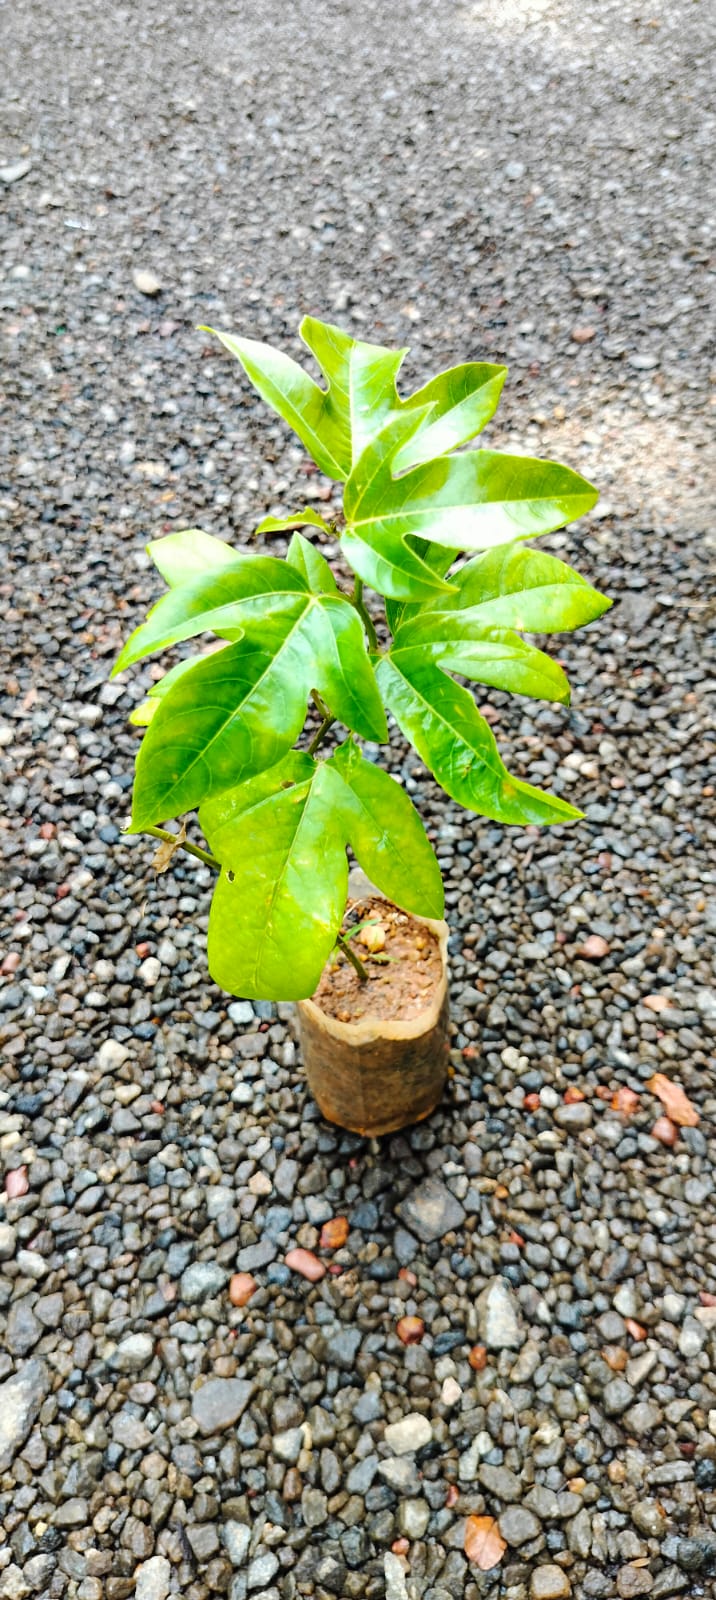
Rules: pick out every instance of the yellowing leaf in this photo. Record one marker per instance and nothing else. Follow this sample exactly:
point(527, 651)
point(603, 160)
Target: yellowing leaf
point(484, 1544)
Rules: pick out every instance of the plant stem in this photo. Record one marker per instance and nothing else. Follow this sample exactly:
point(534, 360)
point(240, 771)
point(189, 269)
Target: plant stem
point(318, 737)
point(326, 724)
point(344, 944)
point(191, 849)
point(357, 601)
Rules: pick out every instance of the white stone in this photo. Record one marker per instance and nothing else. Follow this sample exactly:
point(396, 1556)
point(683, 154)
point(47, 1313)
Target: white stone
point(450, 1392)
point(395, 1588)
point(134, 1353)
point(146, 282)
point(411, 1433)
point(153, 1579)
point(236, 1538)
point(111, 1055)
point(8, 1240)
point(497, 1317)
point(150, 971)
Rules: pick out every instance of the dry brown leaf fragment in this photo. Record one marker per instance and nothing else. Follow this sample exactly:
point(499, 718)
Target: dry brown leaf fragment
point(168, 848)
point(674, 1100)
point(484, 1544)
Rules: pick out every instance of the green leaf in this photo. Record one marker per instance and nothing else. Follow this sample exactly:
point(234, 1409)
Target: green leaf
point(498, 656)
point(239, 711)
point(439, 558)
point(281, 838)
point(302, 519)
point(279, 902)
point(361, 377)
point(308, 409)
point(374, 542)
point(463, 400)
point(387, 837)
point(471, 501)
point(142, 714)
point(215, 603)
point(218, 815)
point(312, 566)
point(443, 724)
point(514, 587)
point(188, 554)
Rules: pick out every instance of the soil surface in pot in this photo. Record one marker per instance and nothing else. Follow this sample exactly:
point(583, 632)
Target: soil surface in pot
point(399, 987)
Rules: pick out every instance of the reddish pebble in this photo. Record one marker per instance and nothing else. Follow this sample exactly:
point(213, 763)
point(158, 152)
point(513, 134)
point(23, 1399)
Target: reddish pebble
point(400, 1547)
point(531, 1102)
point(158, 1108)
point(334, 1233)
point(241, 1288)
point(142, 950)
point(626, 1101)
point(16, 1183)
point(408, 1277)
point(594, 948)
point(61, 891)
point(572, 1095)
point(665, 1131)
point(410, 1330)
point(636, 1330)
point(516, 1238)
point(11, 962)
point(478, 1357)
point(583, 335)
point(305, 1263)
point(452, 1496)
point(48, 830)
point(706, 1298)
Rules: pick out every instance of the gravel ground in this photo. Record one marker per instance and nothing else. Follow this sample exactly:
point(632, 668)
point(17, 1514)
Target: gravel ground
point(525, 182)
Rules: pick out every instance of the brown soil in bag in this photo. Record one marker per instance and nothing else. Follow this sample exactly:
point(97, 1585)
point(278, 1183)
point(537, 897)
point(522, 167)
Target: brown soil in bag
point(399, 987)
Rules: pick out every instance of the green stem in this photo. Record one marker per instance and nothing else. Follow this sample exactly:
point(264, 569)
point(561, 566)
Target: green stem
point(191, 849)
point(320, 735)
point(358, 602)
point(344, 944)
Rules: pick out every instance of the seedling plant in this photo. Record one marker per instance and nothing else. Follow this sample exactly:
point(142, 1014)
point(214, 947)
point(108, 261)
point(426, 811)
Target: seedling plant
point(435, 530)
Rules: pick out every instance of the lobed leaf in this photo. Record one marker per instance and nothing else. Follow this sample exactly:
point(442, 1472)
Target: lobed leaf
point(308, 409)
point(514, 587)
point(443, 724)
point(278, 905)
point(463, 400)
point(240, 710)
point(281, 838)
point(471, 501)
point(498, 656)
point(387, 836)
point(213, 604)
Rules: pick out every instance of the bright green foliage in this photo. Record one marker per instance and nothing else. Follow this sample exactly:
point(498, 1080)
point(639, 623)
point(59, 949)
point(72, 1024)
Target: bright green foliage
point(282, 840)
point(220, 727)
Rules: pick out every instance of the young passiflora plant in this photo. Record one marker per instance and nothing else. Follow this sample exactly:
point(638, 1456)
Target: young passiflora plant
point(221, 729)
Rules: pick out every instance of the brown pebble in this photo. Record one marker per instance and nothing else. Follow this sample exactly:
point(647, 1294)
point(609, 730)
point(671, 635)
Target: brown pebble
point(665, 1131)
point(241, 1288)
